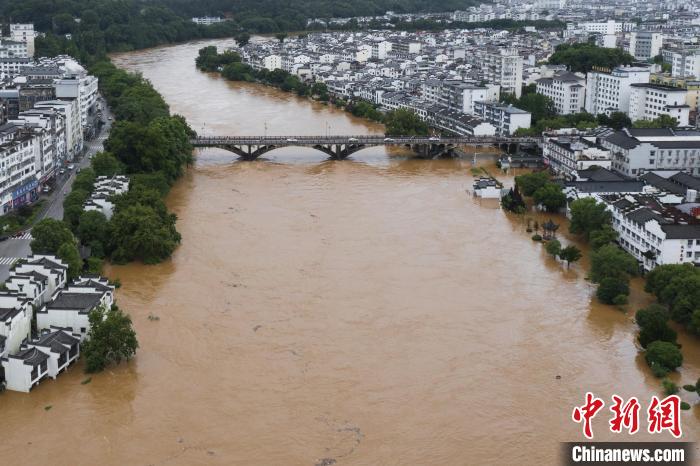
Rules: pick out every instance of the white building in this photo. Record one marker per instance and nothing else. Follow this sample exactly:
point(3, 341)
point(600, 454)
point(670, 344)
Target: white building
point(645, 44)
point(16, 315)
point(61, 345)
point(207, 20)
point(685, 63)
point(43, 267)
point(503, 66)
point(649, 101)
point(24, 33)
point(25, 369)
point(69, 308)
point(606, 27)
point(567, 90)
point(82, 87)
point(101, 199)
point(608, 92)
point(19, 150)
point(505, 118)
point(566, 155)
point(636, 151)
point(70, 109)
point(653, 233)
point(272, 62)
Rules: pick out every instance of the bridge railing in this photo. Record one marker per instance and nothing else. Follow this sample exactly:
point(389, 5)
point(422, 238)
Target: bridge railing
point(366, 139)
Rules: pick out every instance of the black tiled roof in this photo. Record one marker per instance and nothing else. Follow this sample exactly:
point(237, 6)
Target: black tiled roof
point(643, 215)
point(678, 231)
point(31, 356)
point(84, 302)
point(685, 179)
point(662, 183)
point(607, 186)
point(599, 174)
point(8, 313)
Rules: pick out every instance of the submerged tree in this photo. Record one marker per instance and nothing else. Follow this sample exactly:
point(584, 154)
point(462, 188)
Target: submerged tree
point(111, 339)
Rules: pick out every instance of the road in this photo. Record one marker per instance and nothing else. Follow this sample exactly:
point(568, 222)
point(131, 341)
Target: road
point(17, 248)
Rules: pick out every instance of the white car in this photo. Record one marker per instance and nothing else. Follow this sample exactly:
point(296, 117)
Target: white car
point(388, 140)
point(71, 167)
point(353, 140)
point(433, 138)
point(291, 140)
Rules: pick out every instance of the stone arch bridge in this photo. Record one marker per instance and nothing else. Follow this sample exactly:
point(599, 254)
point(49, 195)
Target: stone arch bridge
point(340, 147)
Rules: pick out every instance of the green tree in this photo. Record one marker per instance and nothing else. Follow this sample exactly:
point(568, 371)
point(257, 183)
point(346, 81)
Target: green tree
point(84, 180)
point(612, 287)
point(553, 247)
point(48, 235)
point(531, 182)
point(585, 56)
point(402, 122)
point(540, 106)
point(663, 357)
point(139, 232)
point(93, 227)
point(653, 325)
point(550, 196)
point(600, 237)
point(68, 253)
point(587, 216)
point(110, 340)
point(611, 261)
point(242, 38)
point(73, 207)
point(570, 254)
point(662, 121)
point(616, 120)
point(106, 164)
point(281, 36)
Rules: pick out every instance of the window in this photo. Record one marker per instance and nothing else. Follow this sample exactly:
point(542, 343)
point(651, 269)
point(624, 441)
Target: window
point(82, 329)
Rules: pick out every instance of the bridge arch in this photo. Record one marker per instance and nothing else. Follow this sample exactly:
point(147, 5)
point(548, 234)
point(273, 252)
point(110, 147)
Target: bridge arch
point(334, 151)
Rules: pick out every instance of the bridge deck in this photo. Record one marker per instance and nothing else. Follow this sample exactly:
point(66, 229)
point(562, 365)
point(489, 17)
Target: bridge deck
point(367, 140)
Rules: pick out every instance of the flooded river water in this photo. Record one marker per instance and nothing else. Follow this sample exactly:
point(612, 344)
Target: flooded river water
point(361, 312)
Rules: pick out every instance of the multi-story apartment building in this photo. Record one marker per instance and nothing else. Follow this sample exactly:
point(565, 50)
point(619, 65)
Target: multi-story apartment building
point(70, 111)
point(655, 234)
point(567, 90)
point(82, 87)
point(457, 95)
point(24, 33)
point(503, 66)
point(20, 149)
point(649, 101)
point(608, 92)
point(505, 118)
point(636, 151)
point(566, 155)
point(685, 62)
point(645, 44)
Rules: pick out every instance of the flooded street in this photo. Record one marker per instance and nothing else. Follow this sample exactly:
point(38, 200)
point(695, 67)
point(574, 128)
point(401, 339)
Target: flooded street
point(358, 312)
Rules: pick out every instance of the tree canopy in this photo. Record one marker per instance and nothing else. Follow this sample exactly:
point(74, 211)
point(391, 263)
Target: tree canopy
point(111, 339)
point(585, 56)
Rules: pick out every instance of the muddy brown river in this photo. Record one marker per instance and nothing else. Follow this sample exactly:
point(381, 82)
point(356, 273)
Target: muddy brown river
point(360, 312)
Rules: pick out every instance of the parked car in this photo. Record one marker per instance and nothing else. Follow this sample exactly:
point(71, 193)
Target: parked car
point(46, 189)
point(61, 171)
point(353, 140)
point(71, 166)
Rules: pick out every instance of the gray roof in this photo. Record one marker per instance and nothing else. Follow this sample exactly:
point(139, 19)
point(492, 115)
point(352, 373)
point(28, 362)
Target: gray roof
point(679, 231)
point(31, 356)
point(607, 186)
point(83, 302)
point(599, 174)
point(663, 183)
point(58, 340)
